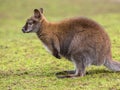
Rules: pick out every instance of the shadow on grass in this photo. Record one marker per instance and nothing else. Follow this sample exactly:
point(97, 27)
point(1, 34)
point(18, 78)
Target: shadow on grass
point(90, 72)
point(4, 74)
point(96, 71)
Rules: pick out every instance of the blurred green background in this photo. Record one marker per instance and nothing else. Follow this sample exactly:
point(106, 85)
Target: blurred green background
point(24, 63)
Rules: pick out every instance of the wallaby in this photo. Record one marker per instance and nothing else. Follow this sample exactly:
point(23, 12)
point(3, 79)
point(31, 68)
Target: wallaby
point(80, 40)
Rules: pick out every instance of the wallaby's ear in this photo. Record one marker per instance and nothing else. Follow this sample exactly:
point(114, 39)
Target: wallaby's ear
point(37, 13)
point(41, 10)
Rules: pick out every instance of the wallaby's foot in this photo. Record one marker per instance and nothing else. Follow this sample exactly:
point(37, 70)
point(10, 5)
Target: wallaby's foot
point(65, 74)
point(68, 74)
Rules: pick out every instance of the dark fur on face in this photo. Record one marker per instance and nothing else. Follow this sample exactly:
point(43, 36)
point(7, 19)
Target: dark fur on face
point(33, 23)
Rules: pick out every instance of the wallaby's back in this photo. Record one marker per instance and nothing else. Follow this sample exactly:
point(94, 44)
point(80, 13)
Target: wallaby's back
point(85, 36)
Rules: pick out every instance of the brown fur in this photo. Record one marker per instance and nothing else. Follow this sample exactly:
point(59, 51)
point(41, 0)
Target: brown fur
point(80, 40)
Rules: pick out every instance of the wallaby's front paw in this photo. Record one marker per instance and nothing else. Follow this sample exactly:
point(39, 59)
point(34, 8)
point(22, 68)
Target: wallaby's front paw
point(57, 55)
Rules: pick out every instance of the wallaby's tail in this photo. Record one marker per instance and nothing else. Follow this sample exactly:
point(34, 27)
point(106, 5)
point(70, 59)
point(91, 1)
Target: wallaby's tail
point(112, 65)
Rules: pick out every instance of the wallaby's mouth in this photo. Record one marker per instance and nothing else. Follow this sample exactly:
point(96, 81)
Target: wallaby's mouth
point(26, 31)
point(23, 30)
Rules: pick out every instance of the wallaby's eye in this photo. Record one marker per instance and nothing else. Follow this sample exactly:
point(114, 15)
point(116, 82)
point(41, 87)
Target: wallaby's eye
point(30, 23)
point(34, 21)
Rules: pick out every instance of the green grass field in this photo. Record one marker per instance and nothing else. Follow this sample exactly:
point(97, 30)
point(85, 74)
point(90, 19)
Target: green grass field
point(25, 64)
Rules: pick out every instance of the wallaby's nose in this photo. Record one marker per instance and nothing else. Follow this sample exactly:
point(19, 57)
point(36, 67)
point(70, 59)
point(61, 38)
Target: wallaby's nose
point(23, 30)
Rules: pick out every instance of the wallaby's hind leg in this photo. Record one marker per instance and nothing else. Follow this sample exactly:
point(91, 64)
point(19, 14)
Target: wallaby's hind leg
point(79, 62)
point(79, 68)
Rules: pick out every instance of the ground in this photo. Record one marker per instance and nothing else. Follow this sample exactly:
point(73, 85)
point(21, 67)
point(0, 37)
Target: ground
point(25, 64)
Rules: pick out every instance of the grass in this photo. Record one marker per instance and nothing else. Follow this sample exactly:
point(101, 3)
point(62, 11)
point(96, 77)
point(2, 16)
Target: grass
point(24, 63)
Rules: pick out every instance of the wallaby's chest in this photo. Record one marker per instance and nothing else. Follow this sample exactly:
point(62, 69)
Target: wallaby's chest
point(47, 47)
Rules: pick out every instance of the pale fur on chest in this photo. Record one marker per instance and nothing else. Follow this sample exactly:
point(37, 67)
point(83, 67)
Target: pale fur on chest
point(47, 48)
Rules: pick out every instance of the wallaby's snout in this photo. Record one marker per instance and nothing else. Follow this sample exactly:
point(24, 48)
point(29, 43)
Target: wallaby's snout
point(23, 30)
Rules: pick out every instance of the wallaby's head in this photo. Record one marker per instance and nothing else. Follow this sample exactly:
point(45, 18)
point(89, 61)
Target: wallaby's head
point(33, 24)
